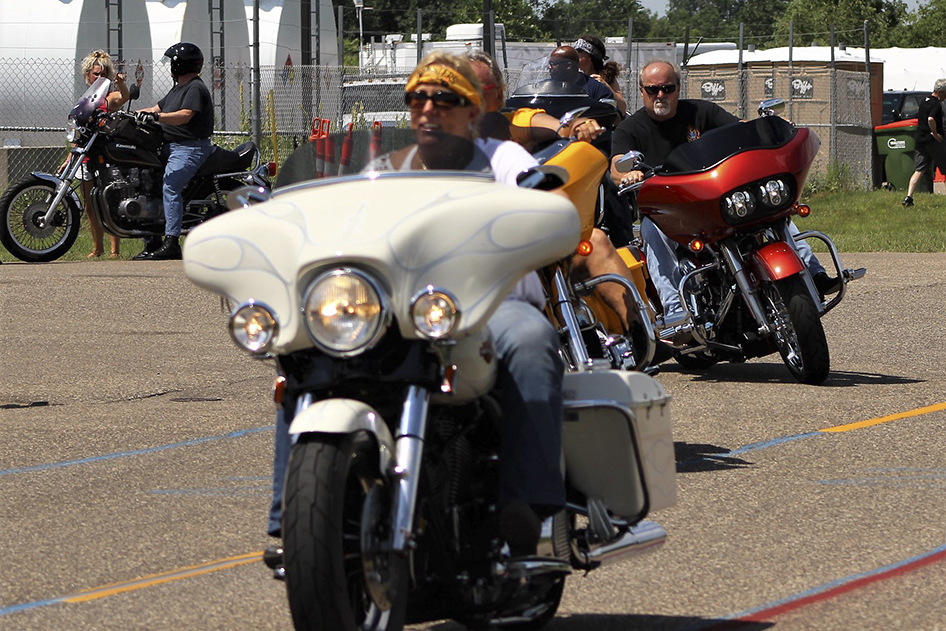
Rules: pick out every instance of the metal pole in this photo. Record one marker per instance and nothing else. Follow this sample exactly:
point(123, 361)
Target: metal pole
point(341, 39)
point(256, 87)
point(870, 116)
point(791, 87)
point(832, 108)
point(630, 67)
point(489, 37)
point(742, 85)
point(420, 36)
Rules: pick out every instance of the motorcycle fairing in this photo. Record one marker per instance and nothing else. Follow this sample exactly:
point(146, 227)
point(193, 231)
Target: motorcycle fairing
point(687, 205)
point(461, 232)
point(776, 261)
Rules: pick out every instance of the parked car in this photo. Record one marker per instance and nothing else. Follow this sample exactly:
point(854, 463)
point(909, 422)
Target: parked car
point(902, 105)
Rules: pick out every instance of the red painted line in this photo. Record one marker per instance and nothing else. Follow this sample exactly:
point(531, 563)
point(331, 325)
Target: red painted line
point(767, 614)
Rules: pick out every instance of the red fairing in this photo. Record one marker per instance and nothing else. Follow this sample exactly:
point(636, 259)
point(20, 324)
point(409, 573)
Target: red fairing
point(776, 261)
point(687, 206)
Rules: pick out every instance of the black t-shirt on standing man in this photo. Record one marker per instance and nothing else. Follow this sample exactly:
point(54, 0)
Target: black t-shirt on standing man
point(931, 107)
point(656, 139)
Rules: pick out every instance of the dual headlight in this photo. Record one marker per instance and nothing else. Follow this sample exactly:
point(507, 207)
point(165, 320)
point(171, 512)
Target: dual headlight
point(757, 200)
point(345, 313)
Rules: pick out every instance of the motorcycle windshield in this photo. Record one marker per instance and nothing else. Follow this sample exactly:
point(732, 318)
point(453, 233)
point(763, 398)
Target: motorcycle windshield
point(537, 88)
point(379, 150)
point(718, 144)
point(92, 100)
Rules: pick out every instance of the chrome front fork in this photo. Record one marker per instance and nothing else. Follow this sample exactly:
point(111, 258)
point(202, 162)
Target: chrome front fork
point(409, 449)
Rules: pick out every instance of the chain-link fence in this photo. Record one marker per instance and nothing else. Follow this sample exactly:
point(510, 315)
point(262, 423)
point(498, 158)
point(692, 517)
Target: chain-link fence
point(32, 119)
point(834, 103)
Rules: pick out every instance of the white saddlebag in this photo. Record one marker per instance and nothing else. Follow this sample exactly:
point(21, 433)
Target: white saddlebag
point(617, 431)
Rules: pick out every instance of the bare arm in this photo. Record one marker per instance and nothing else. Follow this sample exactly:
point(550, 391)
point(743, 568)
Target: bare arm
point(120, 97)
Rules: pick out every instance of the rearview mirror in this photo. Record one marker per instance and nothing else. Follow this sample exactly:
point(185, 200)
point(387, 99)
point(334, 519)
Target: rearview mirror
point(545, 177)
point(630, 161)
point(246, 196)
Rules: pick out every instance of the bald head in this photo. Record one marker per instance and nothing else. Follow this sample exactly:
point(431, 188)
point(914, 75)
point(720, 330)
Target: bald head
point(563, 64)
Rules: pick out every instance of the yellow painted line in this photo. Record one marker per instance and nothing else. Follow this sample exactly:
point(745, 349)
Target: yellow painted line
point(164, 577)
point(885, 419)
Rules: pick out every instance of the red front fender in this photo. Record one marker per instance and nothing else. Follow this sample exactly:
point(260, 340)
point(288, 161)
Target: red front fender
point(776, 261)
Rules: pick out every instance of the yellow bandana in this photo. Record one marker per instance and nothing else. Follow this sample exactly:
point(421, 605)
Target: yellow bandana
point(446, 77)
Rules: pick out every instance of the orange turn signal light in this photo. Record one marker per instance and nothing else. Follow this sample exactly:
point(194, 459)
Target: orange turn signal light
point(803, 210)
point(696, 245)
point(279, 387)
point(585, 248)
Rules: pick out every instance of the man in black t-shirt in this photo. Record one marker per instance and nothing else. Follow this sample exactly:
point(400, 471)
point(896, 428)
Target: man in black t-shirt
point(664, 123)
point(929, 138)
point(187, 119)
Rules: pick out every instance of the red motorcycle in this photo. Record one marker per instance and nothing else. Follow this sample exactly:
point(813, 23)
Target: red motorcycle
point(726, 200)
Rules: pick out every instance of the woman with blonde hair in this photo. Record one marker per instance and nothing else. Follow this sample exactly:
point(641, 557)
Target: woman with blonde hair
point(98, 64)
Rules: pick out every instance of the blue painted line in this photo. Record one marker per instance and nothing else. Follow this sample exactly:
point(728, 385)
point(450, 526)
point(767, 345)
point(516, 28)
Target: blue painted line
point(33, 605)
point(772, 443)
point(244, 492)
point(709, 458)
point(137, 452)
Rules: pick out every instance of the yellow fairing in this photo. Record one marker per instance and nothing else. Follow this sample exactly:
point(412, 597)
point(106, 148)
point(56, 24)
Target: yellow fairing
point(638, 269)
point(586, 166)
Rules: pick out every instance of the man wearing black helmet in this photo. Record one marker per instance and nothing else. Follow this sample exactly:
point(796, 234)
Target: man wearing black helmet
point(187, 119)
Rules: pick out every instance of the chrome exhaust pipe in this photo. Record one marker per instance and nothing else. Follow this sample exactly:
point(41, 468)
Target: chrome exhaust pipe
point(645, 536)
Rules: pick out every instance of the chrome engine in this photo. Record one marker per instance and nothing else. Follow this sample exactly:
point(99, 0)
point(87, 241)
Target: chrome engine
point(132, 191)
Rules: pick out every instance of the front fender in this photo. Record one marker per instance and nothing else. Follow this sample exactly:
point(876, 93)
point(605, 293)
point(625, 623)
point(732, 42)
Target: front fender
point(345, 416)
point(776, 261)
point(55, 182)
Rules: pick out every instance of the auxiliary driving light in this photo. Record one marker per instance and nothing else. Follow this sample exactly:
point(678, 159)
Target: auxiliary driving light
point(435, 313)
point(253, 327)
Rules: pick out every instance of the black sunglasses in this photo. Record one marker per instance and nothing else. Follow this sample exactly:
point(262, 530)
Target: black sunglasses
point(654, 90)
point(555, 64)
point(442, 100)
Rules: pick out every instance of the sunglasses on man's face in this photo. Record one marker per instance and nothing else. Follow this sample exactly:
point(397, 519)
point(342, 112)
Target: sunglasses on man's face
point(441, 100)
point(555, 64)
point(654, 90)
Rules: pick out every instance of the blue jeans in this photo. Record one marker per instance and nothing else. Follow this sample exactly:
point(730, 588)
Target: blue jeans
point(183, 161)
point(662, 263)
point(530, 379)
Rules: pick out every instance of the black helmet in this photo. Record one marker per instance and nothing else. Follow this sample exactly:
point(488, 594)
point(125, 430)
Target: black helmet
point(185, 58)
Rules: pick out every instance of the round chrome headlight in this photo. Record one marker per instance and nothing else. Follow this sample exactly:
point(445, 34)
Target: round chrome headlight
point(72, 133)
point(344, 312)
point(253, 327)
point(435, 313)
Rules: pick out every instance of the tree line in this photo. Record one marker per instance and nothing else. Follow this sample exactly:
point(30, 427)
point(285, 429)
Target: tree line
point(766, 23)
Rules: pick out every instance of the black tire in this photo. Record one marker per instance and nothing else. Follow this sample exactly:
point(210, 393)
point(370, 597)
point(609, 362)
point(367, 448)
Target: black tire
point(20, 208)
point(331, 486)
point(802, 344)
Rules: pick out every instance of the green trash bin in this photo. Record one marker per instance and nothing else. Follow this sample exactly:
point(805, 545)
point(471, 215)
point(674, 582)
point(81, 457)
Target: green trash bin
point(895, 144)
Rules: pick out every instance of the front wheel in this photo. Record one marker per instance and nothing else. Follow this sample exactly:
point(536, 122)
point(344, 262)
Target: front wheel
point(22, 209)
point(335, 526)
point(799, 335)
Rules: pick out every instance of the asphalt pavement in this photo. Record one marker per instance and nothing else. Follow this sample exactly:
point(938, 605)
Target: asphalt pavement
point(136, 454)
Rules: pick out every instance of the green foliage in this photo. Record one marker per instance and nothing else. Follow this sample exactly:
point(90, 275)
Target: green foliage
point(812, 21)
point(874, 221)
point(837, 178)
